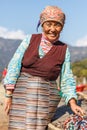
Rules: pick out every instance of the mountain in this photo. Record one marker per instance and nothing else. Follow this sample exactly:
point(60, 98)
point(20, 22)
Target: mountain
point(78, 53)
point(8, 47)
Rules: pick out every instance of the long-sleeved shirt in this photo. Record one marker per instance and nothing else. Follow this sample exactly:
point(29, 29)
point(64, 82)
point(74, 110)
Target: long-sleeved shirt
point(67, 82)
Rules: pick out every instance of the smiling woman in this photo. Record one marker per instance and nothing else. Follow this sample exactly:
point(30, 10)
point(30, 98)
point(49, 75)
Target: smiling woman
point(32, 94)
point(52, 30)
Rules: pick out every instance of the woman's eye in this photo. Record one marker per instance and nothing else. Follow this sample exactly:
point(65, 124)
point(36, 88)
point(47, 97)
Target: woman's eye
point(48, 24)
point(58, 25)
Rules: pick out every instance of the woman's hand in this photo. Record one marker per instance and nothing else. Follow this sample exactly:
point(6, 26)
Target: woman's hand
point(8, 102)
point(75, 108)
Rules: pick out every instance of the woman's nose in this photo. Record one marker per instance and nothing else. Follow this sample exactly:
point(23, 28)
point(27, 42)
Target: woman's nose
point(52, 28)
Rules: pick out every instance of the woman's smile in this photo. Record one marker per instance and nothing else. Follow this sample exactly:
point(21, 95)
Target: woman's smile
point(52, 30)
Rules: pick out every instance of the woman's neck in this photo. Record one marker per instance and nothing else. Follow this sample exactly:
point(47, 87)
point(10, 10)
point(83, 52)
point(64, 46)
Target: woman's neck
point(47, 40)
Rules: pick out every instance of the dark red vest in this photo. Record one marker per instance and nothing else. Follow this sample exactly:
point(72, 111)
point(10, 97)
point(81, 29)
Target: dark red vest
point(49, 66)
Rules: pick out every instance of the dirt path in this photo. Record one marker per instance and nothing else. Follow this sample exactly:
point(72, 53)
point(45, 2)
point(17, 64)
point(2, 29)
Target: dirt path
point(3, 116)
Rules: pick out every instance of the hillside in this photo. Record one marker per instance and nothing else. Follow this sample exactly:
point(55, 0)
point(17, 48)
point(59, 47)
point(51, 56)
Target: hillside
point(8, 47)
point(80, 68)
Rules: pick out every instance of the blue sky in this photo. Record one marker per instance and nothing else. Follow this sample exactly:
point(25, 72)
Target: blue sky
point(20, 17)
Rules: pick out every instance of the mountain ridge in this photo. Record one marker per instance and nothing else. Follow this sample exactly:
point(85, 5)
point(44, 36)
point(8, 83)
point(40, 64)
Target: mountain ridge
point(9, 46)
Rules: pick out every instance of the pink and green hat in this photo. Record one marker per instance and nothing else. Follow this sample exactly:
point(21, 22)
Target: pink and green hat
point(52, 13)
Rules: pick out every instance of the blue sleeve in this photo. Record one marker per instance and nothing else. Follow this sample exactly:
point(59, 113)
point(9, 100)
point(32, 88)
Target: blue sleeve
point(67, 81)
point(14, 66)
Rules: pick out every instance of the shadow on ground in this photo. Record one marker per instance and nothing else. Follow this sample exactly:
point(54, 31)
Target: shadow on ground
point(63, 109)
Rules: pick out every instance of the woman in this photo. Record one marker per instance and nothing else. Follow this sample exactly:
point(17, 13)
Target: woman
point(32, 93)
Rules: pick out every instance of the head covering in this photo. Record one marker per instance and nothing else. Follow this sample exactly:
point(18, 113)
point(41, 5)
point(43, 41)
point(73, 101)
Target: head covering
point(52, 13)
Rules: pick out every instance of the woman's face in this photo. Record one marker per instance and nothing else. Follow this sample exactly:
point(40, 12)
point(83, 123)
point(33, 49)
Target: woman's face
point(52, 30)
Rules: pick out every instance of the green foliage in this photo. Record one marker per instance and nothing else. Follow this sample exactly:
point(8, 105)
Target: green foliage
point(80, 68)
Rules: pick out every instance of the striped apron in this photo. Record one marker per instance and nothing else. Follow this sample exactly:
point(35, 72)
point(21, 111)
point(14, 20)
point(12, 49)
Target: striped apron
point(34, 103)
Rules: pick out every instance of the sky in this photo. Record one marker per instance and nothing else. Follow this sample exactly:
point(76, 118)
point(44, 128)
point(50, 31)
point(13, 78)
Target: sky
point(20, 17)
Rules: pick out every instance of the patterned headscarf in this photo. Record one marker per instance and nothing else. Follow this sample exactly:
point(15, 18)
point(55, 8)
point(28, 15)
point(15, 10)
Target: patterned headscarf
point(52, 13)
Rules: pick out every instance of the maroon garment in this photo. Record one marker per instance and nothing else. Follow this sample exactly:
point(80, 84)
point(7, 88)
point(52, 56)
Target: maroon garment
point(49, 66)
